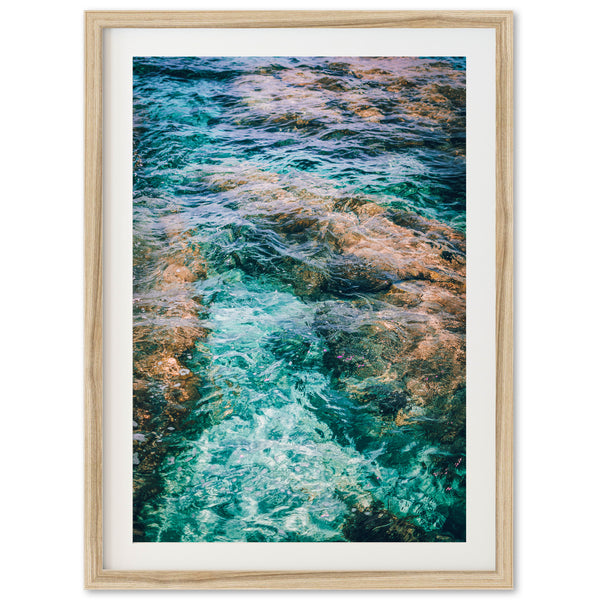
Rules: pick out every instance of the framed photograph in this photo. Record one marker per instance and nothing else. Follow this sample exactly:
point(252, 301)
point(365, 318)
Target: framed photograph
point(298, 324)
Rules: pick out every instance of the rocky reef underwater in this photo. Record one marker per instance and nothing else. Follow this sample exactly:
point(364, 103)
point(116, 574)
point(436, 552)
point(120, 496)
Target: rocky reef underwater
point(299, 349)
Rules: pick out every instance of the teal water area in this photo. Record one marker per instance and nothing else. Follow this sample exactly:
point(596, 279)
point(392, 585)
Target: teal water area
point(277, 396)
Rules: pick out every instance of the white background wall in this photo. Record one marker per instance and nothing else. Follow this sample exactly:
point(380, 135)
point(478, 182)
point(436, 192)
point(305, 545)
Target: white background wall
point(557, 294)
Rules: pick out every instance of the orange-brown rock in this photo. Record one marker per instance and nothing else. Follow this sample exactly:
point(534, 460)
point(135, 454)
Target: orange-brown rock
point(168, 323)
point(175, 273)
point(391, 288)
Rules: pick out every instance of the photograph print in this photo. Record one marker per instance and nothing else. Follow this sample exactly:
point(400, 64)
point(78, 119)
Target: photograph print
point(299, 299)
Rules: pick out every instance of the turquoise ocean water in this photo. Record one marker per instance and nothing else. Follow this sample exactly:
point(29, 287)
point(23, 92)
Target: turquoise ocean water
point(299, 299)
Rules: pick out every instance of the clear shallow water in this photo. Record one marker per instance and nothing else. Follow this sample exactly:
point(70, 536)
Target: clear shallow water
point(282, 392)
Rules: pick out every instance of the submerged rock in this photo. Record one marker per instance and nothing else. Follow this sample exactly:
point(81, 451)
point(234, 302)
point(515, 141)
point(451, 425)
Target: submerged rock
point(391, 286)
point(389, 401)
point(298, 98)
point(375, 524)
point(167, 324)
point(176, 273)
point(349, 275)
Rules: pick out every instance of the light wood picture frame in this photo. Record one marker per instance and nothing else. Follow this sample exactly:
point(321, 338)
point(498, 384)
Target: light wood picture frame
point(96, 576)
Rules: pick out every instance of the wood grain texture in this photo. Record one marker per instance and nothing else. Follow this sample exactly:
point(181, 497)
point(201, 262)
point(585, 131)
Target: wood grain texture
point(95, 576)
point(93, 301)
point(248, 19)
point(504, 299)
point(299, 580)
